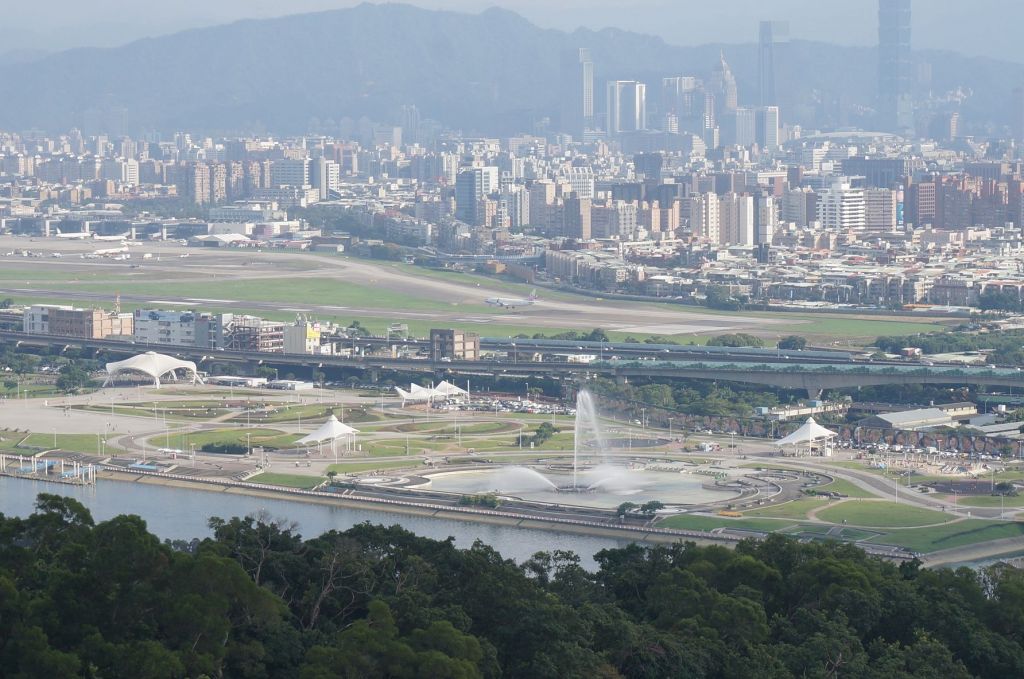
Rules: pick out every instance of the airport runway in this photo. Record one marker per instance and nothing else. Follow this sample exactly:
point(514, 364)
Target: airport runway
point(167, 266)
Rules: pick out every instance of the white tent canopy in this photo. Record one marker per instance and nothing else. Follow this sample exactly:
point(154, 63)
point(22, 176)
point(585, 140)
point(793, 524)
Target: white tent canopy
point(809, 435)
point(331, 430)
point(153, 365)
point(418, 394)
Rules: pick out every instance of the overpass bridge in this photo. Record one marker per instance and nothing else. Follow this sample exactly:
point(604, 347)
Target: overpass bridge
point(790, 373)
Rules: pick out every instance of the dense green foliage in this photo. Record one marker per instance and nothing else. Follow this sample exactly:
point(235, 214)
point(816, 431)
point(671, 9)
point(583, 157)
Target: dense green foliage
point(791, 342)
point(693, 397)
point(740, 339)
point(1006, 348)
point(79, 599)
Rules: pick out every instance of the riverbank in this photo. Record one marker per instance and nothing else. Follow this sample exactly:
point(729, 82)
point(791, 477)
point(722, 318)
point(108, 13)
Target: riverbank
point(425, 510)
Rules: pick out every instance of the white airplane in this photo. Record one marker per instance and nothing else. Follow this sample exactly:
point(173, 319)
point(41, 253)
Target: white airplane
point(122, 237)
point(110, 251)
point(77, 235)
point(512, 302)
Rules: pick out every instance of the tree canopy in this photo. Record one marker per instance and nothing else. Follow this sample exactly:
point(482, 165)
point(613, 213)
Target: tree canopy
point(86, 599)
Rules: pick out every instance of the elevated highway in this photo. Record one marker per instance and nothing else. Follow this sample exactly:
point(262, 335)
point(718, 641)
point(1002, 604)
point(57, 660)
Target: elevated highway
point(787, 372)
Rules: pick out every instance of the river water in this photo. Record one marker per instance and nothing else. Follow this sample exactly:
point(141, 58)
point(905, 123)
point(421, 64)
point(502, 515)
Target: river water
point(183, 513)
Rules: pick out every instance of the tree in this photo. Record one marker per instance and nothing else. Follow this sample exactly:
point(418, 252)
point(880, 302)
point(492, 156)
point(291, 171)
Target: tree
point(72, 378)
point(793, 343)
point(651, 508)
point(736, 340)
point(719, 297)
point(625, 508)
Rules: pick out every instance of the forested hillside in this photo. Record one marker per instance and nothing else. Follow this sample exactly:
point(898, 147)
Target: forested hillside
point(85, 599)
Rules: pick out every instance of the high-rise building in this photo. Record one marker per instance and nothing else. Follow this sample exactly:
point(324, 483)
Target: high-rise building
point(577, 78)
point(289, 172)
point(723, 87)
point(894, 66)
point(626, 106)
point(737, 219)
point(471, 186)
point(682, 98)
point(880, 210)
point(576, 218)
point(767, 127)
point(771, 34)
point(841, 207)
point(739, 127)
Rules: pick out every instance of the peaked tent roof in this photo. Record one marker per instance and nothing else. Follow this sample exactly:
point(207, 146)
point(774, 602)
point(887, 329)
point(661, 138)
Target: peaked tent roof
point(152, 364)
point(446, 388)
point(809, 433)
point(330, 430)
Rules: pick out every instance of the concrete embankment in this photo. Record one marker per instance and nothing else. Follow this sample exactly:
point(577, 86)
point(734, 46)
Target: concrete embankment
point(491, 517)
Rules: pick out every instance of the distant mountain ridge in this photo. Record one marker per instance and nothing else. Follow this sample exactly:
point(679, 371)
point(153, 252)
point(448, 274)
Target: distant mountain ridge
point(492, 73)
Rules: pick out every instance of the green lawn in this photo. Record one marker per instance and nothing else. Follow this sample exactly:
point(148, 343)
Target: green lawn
point(287, 480)
point(795, 509)
point(951, 535)
point(272, 438)
point(844, 487)
point(987, 501)
point(76, 443)
point(878, 514)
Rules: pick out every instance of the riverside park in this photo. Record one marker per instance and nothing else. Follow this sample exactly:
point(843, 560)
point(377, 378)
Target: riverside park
point(558, 461)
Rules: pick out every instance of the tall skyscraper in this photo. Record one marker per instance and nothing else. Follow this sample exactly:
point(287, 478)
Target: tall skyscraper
point(894, 66)
point(472, 185)
point(771, 34)
point(768, 127)
point(577, 78)
point(682, 98)
point(626, 106)
point(723, 86)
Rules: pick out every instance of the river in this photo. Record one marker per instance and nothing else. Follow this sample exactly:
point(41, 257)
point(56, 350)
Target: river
point(182, 513)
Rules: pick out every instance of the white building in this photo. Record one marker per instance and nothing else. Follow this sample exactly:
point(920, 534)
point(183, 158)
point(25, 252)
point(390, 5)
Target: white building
point(626, 106)
point(737, 220)
point(153, 326)
point(841, 207)
point(289, 172)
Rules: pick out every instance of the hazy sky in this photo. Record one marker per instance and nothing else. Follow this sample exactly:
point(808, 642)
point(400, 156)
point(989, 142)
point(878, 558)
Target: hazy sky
point(986, 27)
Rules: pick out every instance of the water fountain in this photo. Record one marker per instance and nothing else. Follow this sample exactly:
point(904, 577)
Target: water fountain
point(593, 479)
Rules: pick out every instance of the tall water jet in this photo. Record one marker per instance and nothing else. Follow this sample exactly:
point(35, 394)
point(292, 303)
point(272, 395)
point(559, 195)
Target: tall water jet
point(587, 423)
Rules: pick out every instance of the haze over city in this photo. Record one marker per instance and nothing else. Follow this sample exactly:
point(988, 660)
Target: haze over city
point(645, 340)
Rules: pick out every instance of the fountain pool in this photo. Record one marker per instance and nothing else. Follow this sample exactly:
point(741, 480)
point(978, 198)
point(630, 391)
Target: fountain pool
point(591, 481)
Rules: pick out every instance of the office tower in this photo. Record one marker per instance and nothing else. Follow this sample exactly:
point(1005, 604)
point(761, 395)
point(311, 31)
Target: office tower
point(648, 165)
point(894, 66)
point(703, 213)
point(576, 218)
point(325, 176)
point(682, 98)
point(736, 214)
point(771, 34)
point(767, 218)
point(841, 207)
point(880, 210)
point(723, 87)
point(581, 181)
point(287, 172)
point(739, 127)
point(767, 127)
point(410, 121)
point(626, 106)
point(472, 185)
point(577, 79)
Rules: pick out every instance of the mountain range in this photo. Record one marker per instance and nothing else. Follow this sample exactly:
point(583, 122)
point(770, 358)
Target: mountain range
point(488, 73)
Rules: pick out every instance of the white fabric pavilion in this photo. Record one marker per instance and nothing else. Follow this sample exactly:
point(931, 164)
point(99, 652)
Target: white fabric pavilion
point(418, 394)
point(810, 435)
point(331, 431)
point(152, 365)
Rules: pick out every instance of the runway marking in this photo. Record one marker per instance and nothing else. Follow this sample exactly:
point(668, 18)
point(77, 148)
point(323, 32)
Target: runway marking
point(168, 302)
point(212, 301)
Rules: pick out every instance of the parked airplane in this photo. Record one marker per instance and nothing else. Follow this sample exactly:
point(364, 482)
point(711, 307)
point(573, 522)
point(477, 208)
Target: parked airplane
point(122, 237)
point(512, 302)
point(110, 251)
point(75, 235)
